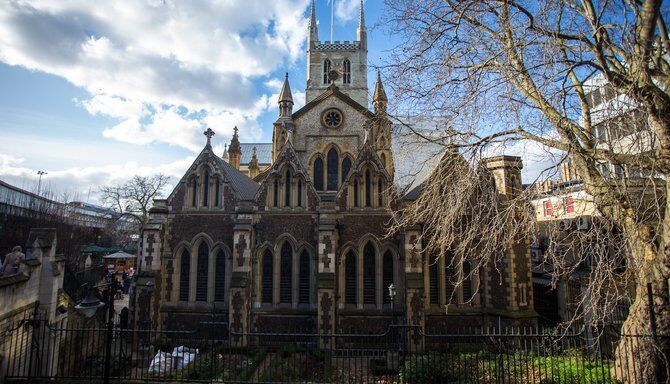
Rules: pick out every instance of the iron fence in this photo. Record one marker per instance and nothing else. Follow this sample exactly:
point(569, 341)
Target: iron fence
point(403, 354)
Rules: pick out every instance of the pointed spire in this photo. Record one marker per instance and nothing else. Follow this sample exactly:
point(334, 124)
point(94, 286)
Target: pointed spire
point(235, 150)
point(285, 99)
point(313, 34)
point(225, 152)
point(285, 94)
point(362, 33)
point(379, 99)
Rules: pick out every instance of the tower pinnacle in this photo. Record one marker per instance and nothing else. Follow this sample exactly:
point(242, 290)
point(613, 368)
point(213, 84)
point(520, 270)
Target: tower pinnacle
point(285, 99)
point(379, 99)
point(362, 33)
point(313, 31)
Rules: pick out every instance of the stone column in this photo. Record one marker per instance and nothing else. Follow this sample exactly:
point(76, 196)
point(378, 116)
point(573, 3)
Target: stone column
point(325, 281)
point(239, 308)
point(414, 298)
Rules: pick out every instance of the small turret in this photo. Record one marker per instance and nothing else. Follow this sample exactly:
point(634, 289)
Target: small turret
point(235, 150)
point(285, 99)
point(379, 99)
point(225, 153)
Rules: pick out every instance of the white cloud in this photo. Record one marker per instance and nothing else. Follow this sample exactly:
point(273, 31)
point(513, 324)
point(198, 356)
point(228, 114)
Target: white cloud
point(162, 68)
point(346, 10)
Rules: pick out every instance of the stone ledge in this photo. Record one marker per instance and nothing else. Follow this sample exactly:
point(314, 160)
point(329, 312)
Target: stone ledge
point(13, 279)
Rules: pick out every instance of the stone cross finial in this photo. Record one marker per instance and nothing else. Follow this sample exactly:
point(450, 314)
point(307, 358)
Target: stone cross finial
point(235, 129)
point(209, 133)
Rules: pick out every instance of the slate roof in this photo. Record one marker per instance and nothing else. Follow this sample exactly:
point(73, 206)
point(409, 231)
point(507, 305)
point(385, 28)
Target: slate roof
point(244, 187)
point(263, 152)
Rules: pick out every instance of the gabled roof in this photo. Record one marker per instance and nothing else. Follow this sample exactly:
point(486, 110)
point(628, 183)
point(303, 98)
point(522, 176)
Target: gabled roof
point(287, 154)
point(367, 153)
point(332, 90)
point(243, 187)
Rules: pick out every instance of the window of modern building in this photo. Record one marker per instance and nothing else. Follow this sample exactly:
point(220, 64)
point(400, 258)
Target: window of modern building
point(184, 275)
point(548, 210)
point(569, 205)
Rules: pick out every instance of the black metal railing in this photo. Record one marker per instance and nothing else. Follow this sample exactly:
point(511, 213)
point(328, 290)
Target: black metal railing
point(404, 353)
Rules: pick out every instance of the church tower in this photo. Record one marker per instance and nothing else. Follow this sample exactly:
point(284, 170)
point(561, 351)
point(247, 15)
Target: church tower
point(349, 58)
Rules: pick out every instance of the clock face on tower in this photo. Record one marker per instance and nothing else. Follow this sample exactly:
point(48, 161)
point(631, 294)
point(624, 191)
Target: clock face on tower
point(332, 118)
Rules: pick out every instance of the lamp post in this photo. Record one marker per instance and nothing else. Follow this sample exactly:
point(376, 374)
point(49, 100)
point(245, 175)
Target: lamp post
point(89, 307)
point(392, 294)
point(39, 182)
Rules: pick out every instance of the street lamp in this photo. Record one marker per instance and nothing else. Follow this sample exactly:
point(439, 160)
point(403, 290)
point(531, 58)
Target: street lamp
point(90, 305)
point(39, 183)
point(392, 294)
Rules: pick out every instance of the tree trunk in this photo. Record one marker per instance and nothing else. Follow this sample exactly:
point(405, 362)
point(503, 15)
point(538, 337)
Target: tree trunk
point(643, 351)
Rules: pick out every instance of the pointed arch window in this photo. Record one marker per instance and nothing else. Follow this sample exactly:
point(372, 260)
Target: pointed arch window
point(369, 274)
point(220, 277)
point(368, 188)
point(303, 284)
point(184, 275)
point(299, 192)
point(266, 289)
point(388, 271)
point(286, 274)
point(326, 69)
point(217, 193)
point(448, 278)
point(346, 167)
point(433, 279)
point(276, 193)
point(318, 174)
point(356, 192)
point(287, 189)
point(333, 169)
point(380, 192)
point(202, 270)
point(346, 72)
point(467, 281)
point(350, 266)
point(194, 193)
point(205, 190)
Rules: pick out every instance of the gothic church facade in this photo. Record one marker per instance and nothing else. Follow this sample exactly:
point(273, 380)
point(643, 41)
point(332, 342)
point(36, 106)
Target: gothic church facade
point(302, 243)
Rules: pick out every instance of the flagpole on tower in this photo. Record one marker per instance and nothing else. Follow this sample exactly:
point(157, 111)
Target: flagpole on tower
point(332, 18)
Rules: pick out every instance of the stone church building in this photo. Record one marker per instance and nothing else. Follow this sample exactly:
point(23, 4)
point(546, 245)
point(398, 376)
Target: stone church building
point(298, 240)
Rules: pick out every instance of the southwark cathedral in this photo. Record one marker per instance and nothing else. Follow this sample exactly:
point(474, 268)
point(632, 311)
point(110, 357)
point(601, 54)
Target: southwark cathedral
point(292, 234)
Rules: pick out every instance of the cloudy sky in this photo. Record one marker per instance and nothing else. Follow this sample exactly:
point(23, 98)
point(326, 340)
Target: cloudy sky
point(94, 92)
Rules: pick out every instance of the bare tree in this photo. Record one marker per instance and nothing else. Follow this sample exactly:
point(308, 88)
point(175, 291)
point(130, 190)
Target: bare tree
point(509, 71)
point(134, 197)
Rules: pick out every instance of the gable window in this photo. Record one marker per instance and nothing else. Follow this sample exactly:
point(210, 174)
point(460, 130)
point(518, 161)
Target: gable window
point(369, 274)
point(318, 174)
point(326, 69)
point(194, 193)
point(266, 290)
point(287, 189)
point(368, 189)
point(448, 279)
point(205, 189)
point(217, 194)
point(286, 274)
point(569, 205)
point(350, 296)
point(548, 210)
point(220, 277)
point(380, 193)
point(184, 275)
point(346, 167)
point(299, 192)
point(356, 188)
point(201, 280)
point(346, 72)
point(276, 193)
point(333, 169)
point(303, 285)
